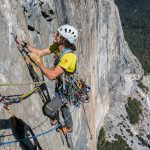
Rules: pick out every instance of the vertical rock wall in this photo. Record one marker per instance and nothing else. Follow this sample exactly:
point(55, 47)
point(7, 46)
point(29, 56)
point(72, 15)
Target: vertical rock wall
point(104, 60)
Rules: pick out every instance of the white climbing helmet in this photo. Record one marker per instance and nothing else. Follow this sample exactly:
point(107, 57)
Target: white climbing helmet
point(68, 32)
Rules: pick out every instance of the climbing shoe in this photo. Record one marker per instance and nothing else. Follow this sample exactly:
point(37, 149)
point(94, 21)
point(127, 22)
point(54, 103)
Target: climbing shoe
point(53, 122)
point(64, 129)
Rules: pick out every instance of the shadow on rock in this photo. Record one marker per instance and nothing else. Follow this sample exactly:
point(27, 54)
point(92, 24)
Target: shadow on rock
point(21, 131)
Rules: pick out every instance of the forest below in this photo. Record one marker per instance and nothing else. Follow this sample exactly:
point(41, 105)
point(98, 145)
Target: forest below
point(135, 18)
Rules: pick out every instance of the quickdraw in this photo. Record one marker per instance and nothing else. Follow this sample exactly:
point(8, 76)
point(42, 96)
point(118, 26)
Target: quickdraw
point(76, 90)
point(8, 100)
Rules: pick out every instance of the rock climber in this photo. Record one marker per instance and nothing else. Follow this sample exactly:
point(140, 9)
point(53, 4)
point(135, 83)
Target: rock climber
point(64, 40)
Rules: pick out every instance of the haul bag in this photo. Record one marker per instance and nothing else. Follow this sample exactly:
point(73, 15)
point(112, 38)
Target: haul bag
point(50, 108)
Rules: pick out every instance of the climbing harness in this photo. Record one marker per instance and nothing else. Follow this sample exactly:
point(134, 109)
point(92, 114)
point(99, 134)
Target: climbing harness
point(70, 86)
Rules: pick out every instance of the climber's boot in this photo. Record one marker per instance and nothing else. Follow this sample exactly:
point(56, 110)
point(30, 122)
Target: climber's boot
point(64, 129)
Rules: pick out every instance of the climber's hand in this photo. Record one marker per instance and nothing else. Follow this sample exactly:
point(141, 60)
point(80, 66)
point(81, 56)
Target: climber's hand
point(35, 57)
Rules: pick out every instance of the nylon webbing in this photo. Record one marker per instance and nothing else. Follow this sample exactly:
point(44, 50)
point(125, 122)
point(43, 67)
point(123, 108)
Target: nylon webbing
point(23, 96)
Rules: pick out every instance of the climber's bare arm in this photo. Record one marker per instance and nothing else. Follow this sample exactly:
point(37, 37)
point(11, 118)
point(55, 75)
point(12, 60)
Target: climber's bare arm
point(51, 74)
point(41, 52)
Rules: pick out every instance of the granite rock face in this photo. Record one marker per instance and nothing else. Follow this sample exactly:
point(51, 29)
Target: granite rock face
point(104, 60)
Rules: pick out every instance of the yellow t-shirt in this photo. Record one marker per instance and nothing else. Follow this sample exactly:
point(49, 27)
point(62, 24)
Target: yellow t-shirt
point(67, 61)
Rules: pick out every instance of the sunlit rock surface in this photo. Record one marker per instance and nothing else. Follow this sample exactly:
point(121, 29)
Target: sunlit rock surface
point(104, 60)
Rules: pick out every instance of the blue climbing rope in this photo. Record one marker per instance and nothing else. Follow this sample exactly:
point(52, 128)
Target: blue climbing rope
point(27, 138)
point(37, 135)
